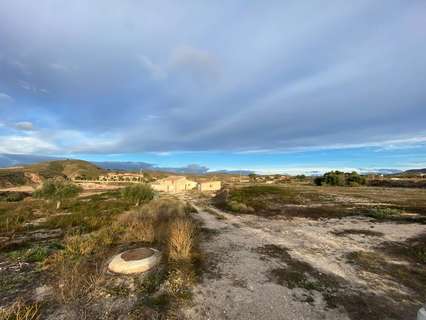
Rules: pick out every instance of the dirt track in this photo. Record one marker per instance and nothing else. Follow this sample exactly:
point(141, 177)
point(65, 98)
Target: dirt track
point(249, 260)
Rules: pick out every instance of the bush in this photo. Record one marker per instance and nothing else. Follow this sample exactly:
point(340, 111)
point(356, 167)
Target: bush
point(11, 179)
point(239, 207)
point(57, 190)
point(318, 181)
point(383, 213)
point(138, 193)
point(35, 254)
point(338, 178)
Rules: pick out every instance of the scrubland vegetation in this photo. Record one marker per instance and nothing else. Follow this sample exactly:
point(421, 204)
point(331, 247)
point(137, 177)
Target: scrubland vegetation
point(66, 250)
point(55, 244)
point(325, 202)
point(338, 178)
point(57, 190)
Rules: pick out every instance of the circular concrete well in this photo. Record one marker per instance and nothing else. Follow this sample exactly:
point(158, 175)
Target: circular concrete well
point(135, 261)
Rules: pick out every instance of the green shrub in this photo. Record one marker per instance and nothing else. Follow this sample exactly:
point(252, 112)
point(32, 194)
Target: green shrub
point(35, 254)
point(138, 193)
point(57, 190)
point(12, 178)
point(238, 206)
point(383, 213)
point(338, 178)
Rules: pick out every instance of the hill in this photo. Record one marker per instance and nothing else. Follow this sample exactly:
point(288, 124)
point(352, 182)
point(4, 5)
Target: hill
point(35, 173)
point(416, 171)
point(65, 168)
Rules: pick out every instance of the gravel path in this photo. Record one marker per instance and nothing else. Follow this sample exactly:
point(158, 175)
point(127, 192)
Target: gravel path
point(237, 281)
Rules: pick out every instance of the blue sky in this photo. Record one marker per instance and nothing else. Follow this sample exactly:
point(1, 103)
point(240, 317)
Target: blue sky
point(269, 86)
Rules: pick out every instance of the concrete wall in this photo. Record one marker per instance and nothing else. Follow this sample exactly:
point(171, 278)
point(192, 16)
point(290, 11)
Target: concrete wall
point(174, 185)
point(209, 186)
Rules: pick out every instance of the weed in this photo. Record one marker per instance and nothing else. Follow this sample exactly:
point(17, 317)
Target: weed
point(383, 213)
point(20, 311)
point(75, 282)
point(181, 239)
point(34, 254)
point(137, 227)
point(297, 274)
point(179, 281)
point(410, 276)
point(151, 283)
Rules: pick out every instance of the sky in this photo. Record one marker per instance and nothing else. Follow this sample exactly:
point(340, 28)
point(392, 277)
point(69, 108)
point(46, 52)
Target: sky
point(269, 86)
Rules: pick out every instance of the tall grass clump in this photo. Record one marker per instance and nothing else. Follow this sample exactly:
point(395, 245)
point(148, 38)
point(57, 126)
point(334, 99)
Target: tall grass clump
point(181, 239)
point(20, 311)
point(138, 193)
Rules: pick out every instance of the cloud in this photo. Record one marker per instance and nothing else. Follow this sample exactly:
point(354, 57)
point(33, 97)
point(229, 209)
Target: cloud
point(5, 98)
point(195, 61)
point(24, 126)
point(25, 145)
point(113, 77)
point(156, 71)
point(60, 67)
point(31, 87)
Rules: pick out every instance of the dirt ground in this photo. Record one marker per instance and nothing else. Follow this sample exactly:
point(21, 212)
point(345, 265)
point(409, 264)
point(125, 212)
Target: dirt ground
point(260, 268)
point(18, 189)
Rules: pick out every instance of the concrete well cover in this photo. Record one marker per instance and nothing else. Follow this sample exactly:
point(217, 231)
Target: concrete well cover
point(134, 261)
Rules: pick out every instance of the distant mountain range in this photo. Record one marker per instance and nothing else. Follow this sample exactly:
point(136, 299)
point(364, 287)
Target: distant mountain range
point(416, 171)
point(380, 171)
point(12, 160)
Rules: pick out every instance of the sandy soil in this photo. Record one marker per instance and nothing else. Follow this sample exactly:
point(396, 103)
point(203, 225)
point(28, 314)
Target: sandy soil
point(18, 189)
point(237, 282)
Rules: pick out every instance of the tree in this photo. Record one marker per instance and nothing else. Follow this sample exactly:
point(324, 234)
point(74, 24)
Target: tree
point(338, 178)
point(319, 181)
point(252, 177)
point(138, 193)
point(57, 190)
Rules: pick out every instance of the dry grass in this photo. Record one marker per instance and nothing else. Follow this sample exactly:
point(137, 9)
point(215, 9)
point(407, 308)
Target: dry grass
point(79, 246)
point(181, 239)
point(136, 227)
point(20, 311)
point(75, 282)
point(94, 231)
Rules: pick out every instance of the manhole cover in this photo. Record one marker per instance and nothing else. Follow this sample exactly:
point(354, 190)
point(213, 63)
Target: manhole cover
point(135, 261)
point(137, 254)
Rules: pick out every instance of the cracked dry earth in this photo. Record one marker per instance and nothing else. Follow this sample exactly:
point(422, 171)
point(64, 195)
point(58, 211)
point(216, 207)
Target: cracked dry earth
point(259, 268)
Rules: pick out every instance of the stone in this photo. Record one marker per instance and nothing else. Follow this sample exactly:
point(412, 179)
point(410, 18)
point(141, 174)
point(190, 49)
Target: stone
point(421, 315)
point(43, 292)
point(135, 261)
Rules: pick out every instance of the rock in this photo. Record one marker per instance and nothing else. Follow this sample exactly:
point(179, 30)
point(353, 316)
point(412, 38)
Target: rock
point(421, 315)
point(43, 292)
point(135, 261)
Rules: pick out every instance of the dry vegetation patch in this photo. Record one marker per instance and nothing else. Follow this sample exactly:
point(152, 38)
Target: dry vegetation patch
point(359, 302)
point(405, 206)
point(19, 310)
point(95, 228)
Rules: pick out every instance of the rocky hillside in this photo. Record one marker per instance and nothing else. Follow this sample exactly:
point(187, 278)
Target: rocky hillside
point(65, 168)
point(34, 174)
